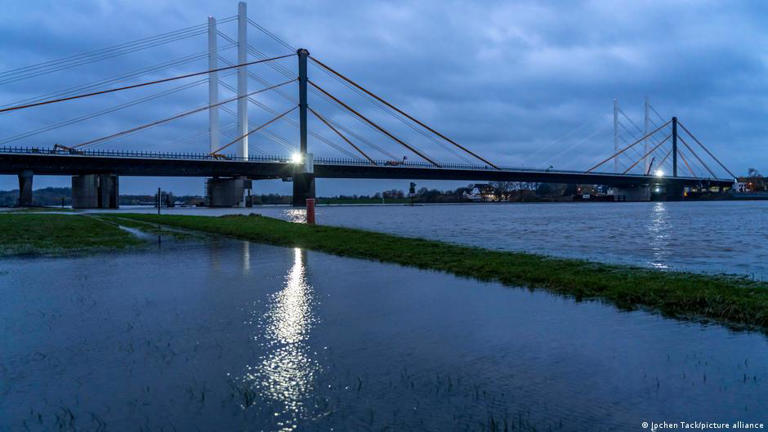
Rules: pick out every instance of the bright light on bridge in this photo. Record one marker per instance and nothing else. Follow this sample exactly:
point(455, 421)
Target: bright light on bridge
point(297, 158)
point(659, 173)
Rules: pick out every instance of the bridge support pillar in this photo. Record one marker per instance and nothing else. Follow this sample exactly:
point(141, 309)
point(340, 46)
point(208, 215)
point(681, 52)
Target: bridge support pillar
point(227, 192)
point(639, 193)
point(303, 180)
point(25, 188)
point(303, 188)
point(95, 191)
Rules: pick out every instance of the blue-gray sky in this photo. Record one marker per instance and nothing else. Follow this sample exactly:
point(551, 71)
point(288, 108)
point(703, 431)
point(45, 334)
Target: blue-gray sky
point(524, 83)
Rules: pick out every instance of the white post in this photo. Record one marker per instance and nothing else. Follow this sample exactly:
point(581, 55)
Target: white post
point(242, 78)
point(213, 85)
point(615, 135)
point(645, 132)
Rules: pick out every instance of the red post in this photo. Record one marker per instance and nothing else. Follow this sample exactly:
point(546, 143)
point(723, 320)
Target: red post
point(310, 211)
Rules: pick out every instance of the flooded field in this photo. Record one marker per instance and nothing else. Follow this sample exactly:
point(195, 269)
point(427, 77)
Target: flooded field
point(229, 335)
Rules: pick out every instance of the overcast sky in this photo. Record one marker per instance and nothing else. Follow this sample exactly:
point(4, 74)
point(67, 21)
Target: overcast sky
point(522, 83)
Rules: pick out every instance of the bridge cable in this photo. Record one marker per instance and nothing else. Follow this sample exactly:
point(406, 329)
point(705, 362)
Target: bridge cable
point(287, 73)
point(431, 137)
point(656, 112)
point(680, 153)
point(707, 150)
point(177, 116)
point(322, 119)
point(118, 78)
point(650, 166)
point(557, 140)
point(374, 124)
point(401, 112)
point(282, 70)
point(637, 153)
point(92, 115)
point(631, 145)
point(215, 153)
point(697, 156)
point(269, 135)
point(653, 140)
point(112, 90)
point(275, 37)
point(666, 156)
point(290, 121)
point(100, 54)
point(648, 154)
point(593, 133)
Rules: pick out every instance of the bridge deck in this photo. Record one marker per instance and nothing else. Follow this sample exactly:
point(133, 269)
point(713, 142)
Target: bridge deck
point(53, 162)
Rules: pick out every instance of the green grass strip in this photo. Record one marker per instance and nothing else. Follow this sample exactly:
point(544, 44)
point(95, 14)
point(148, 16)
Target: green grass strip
point(52, 234)
point(727, 299)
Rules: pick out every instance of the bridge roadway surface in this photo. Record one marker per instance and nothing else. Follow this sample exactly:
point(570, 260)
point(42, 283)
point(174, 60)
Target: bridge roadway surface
point(145, 164)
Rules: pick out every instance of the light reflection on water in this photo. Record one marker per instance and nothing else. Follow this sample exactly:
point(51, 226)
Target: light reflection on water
point(246, 257)
point(658, 228)
point(287, 369)
point(296, 215)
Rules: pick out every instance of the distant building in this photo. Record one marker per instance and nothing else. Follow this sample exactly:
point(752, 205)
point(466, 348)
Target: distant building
point(482, 192)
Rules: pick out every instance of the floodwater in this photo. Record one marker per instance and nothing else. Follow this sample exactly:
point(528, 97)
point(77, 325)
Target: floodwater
point(227, 335)
point(710, 237)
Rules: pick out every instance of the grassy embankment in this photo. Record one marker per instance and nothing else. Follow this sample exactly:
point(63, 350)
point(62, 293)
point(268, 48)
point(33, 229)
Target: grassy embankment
point(51, 234)
point(727, 299)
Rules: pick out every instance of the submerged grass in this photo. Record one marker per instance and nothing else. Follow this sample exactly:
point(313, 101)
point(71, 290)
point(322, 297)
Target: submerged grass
point(52, 234)
point(728, 299)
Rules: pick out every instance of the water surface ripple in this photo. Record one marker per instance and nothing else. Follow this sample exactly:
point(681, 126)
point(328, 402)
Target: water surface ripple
point(229, 335)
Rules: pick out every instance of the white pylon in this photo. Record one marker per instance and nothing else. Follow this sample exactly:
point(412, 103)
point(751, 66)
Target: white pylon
point(242, 78)
point(615, 134)
point(213, 86)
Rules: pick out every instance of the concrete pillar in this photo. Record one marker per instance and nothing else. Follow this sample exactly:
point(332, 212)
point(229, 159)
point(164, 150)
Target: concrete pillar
point(85, 191)
point(227, 192)
point(25, 188)
point(242, 79)
point(109, 191)
point(95, 191)
point(303, 188)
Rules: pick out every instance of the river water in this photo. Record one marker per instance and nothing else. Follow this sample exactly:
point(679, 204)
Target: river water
point(222, 334)
point(711, 237)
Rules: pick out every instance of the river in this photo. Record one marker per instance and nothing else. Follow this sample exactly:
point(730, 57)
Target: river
point(219, 334)
point(703, 236)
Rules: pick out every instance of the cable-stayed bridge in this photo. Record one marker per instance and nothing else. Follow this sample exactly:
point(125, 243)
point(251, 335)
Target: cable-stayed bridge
point(374, 144)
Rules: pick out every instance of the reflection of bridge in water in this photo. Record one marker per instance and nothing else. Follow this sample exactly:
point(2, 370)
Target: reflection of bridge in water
point(95, 181)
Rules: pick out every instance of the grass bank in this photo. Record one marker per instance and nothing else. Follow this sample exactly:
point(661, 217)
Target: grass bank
point(727, 299)
point(56, 234)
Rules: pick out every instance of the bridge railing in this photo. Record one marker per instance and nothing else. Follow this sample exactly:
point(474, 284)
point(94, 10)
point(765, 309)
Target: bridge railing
point(285, 159)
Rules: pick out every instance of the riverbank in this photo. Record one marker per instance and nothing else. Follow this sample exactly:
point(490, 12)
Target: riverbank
point(30, 233)
point(727, 299)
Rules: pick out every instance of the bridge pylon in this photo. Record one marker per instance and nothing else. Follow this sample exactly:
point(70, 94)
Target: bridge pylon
point(303, 171)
